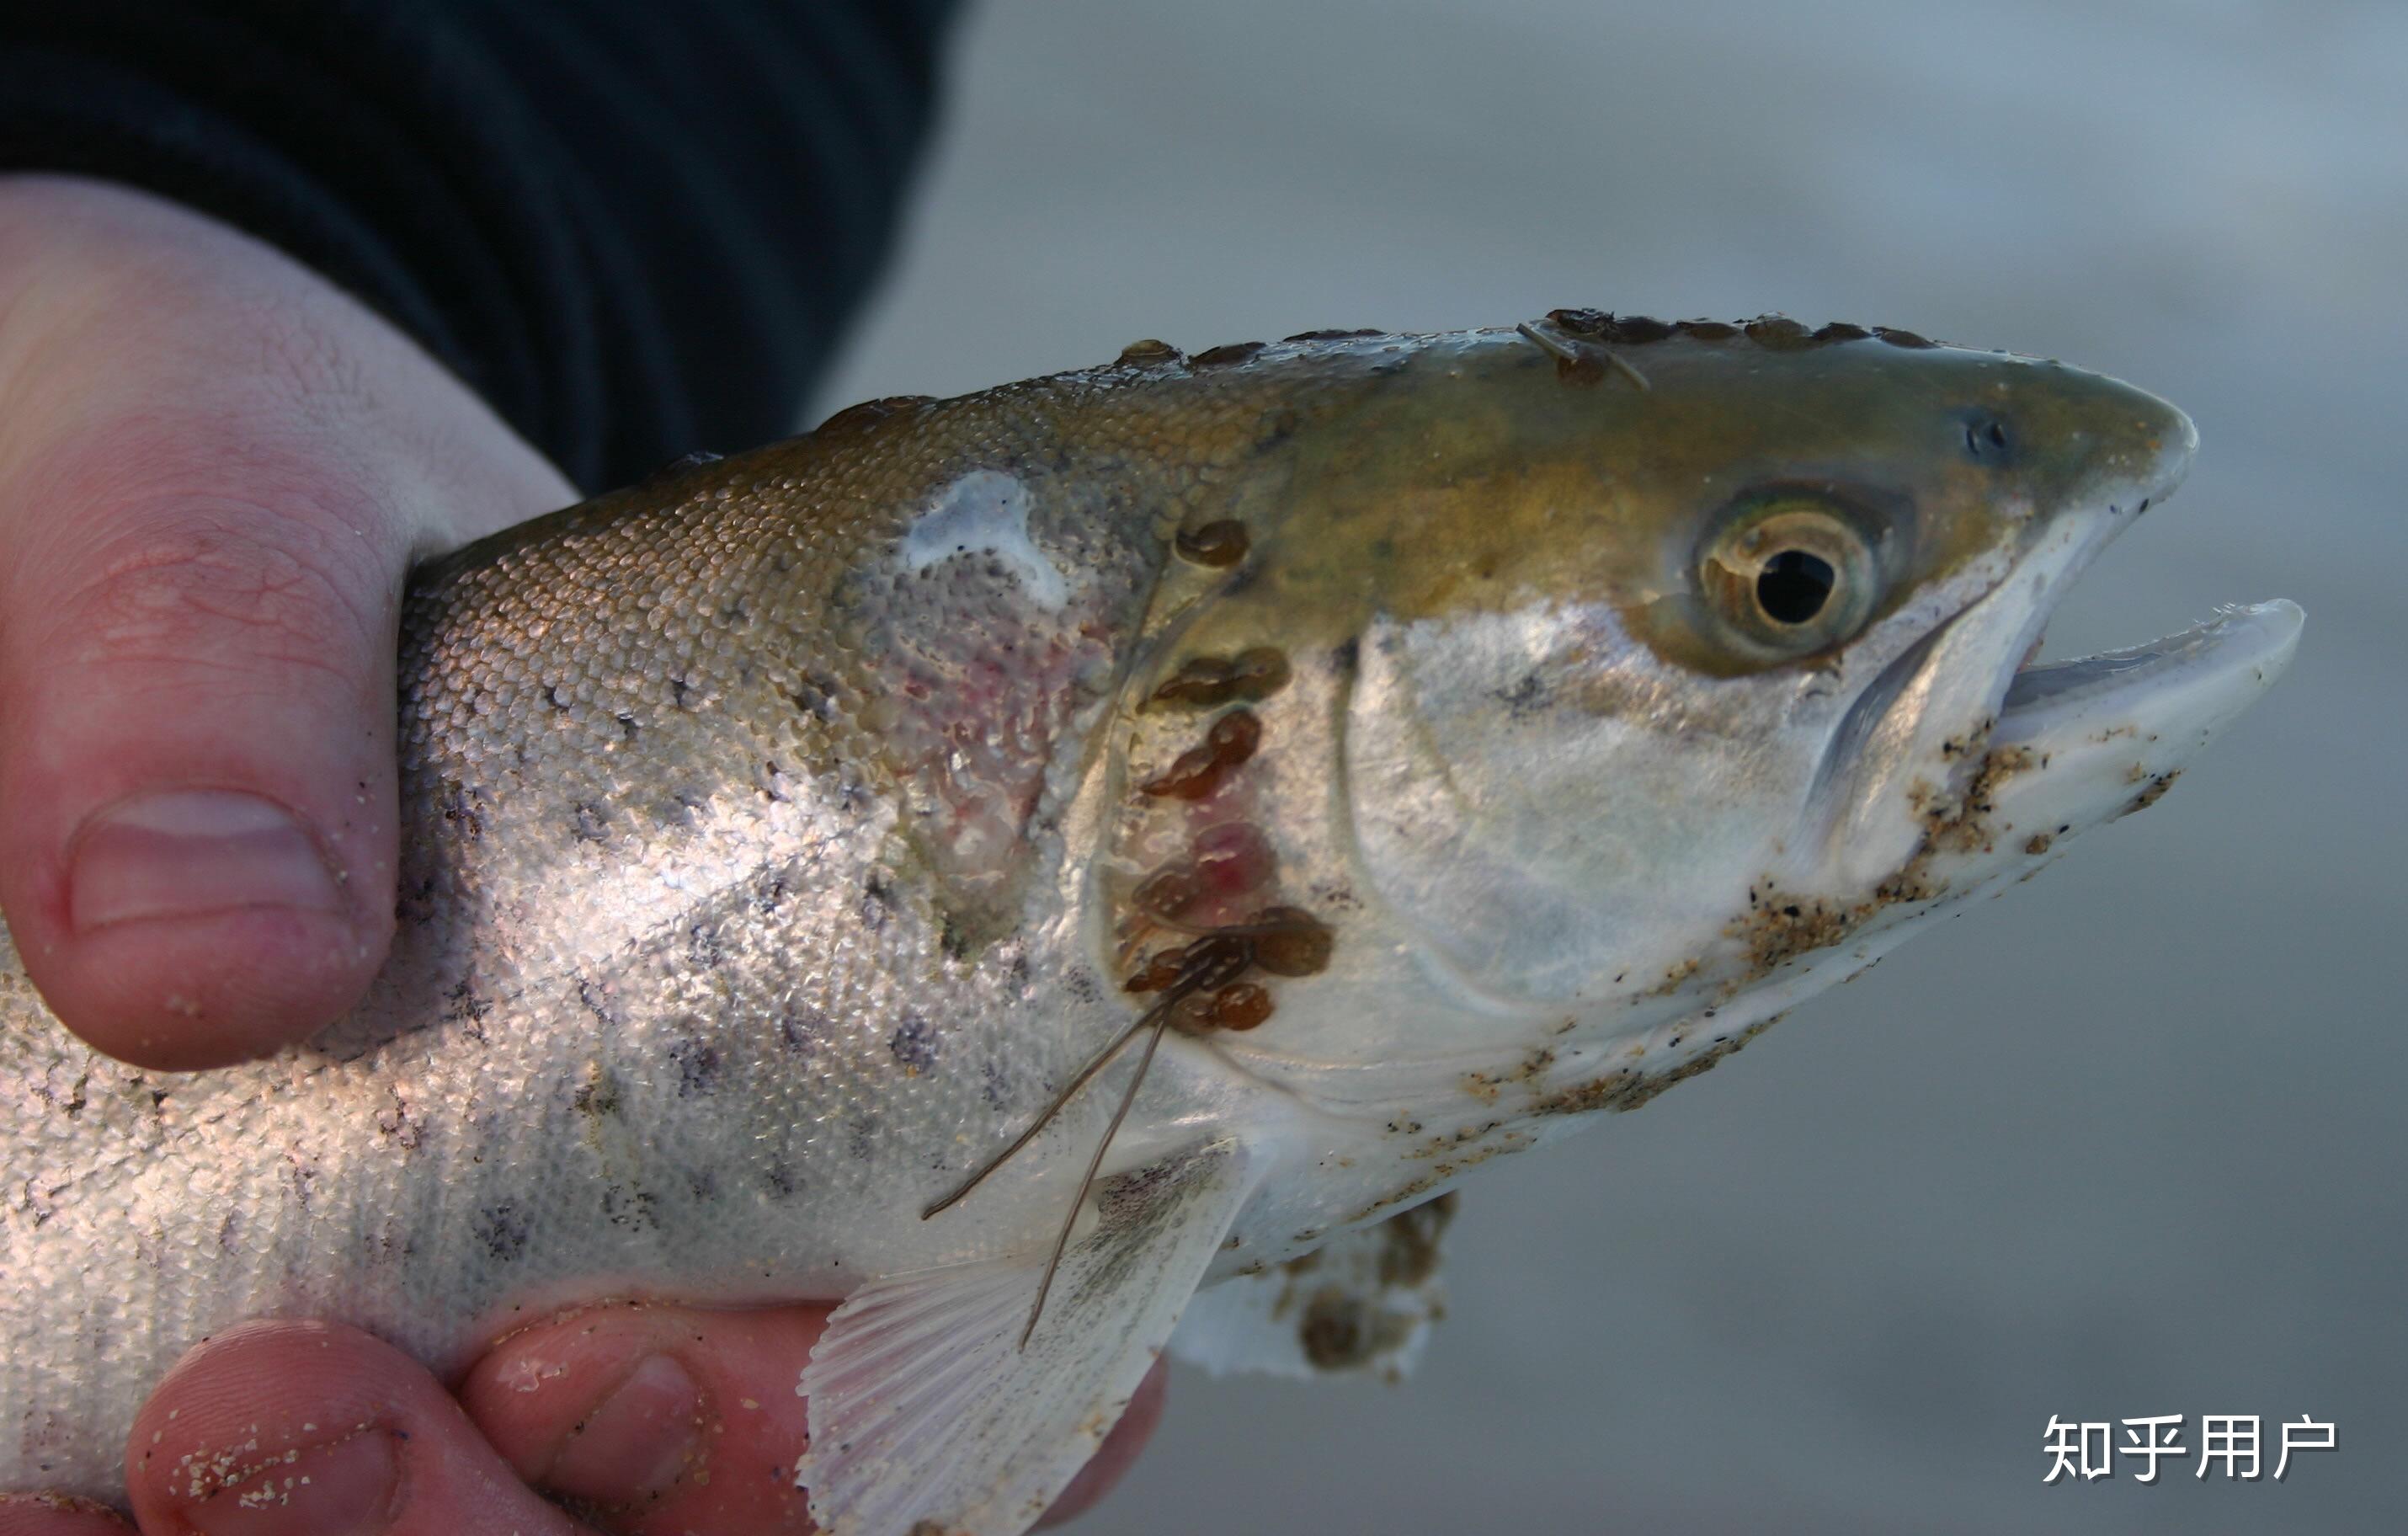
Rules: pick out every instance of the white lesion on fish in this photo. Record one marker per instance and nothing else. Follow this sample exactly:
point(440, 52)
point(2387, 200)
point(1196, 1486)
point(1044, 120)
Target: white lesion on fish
point(984, 515)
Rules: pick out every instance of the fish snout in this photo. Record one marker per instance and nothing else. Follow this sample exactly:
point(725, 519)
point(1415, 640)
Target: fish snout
point(2177, 440)
point(2148, 456)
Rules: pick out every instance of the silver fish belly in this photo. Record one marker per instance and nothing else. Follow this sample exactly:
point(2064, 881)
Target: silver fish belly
point(1430, 739)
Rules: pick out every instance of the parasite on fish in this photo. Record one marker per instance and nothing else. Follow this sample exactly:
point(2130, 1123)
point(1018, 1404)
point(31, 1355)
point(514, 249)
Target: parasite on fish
point(1413, 745)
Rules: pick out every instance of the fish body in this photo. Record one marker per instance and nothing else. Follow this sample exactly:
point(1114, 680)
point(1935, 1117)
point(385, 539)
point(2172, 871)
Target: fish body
point(1443, 738)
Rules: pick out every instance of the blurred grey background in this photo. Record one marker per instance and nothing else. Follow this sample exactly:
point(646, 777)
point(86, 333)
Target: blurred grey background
point(2128, 1141)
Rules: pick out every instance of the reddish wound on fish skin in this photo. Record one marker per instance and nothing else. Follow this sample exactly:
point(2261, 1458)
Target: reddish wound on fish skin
point(1216, 544)
point(1231, 860)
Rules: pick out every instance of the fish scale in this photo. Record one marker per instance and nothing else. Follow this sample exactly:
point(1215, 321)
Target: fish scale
point(782, 836)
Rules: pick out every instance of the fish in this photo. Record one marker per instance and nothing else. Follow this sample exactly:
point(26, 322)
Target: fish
point(1015, 864)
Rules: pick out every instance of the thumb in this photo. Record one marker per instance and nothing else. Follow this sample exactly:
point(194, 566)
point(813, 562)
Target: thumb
point(195, 780)
point(214, 472)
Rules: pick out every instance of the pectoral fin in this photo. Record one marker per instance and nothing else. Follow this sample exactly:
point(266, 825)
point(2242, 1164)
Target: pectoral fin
point(1362, 1301)
point(927, 1415)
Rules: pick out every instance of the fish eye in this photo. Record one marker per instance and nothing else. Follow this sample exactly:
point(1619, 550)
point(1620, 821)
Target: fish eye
point(1793, 585)
point(1788, 577)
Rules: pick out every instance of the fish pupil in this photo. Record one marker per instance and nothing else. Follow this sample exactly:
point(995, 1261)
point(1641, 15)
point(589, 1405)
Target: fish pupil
point(1793, 585)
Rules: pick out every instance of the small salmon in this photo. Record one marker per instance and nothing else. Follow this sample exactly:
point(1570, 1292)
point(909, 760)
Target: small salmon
point(1116, 834)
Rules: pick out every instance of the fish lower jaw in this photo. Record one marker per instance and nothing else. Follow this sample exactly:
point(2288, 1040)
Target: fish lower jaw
point(2081, 742)
point(2199, 678)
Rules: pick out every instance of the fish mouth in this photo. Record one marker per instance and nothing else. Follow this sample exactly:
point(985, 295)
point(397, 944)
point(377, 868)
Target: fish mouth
point(1925, 742)
point(2045, 751)
point(2183, 688)
point(2073, 743)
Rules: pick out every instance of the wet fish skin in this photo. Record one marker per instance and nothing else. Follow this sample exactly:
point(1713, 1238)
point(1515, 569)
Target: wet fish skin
point(777, 839)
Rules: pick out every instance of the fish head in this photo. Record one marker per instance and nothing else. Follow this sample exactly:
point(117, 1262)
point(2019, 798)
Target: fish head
point(1686, 674)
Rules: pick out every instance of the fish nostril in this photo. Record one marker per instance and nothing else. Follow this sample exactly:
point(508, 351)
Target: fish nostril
point(1986, 439)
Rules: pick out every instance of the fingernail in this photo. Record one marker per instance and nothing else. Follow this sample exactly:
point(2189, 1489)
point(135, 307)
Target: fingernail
point(638, 1442)
point(190, 852)
point(343, 1489)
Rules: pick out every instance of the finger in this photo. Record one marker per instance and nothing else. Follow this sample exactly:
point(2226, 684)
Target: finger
point(213, 475)
point(195, 753)
point(657, 1419)
point(53, 1514)
point(661, 1419)
point(312, 1429)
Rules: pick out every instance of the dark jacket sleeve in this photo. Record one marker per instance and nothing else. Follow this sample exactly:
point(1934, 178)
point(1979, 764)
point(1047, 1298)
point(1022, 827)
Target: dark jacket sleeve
point(636, 227)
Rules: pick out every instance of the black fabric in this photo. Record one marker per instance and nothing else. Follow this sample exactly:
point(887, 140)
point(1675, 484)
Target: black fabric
point(636, 226)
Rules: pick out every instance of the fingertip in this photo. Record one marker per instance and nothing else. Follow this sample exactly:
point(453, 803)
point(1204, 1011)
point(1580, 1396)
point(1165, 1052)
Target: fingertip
point(289, 1428)
point(208, 925)
point(212, 990)
point(656, 1418)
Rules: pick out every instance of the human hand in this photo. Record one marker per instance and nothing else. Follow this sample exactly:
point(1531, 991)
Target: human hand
point(215, 470)
point(647, 1420)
